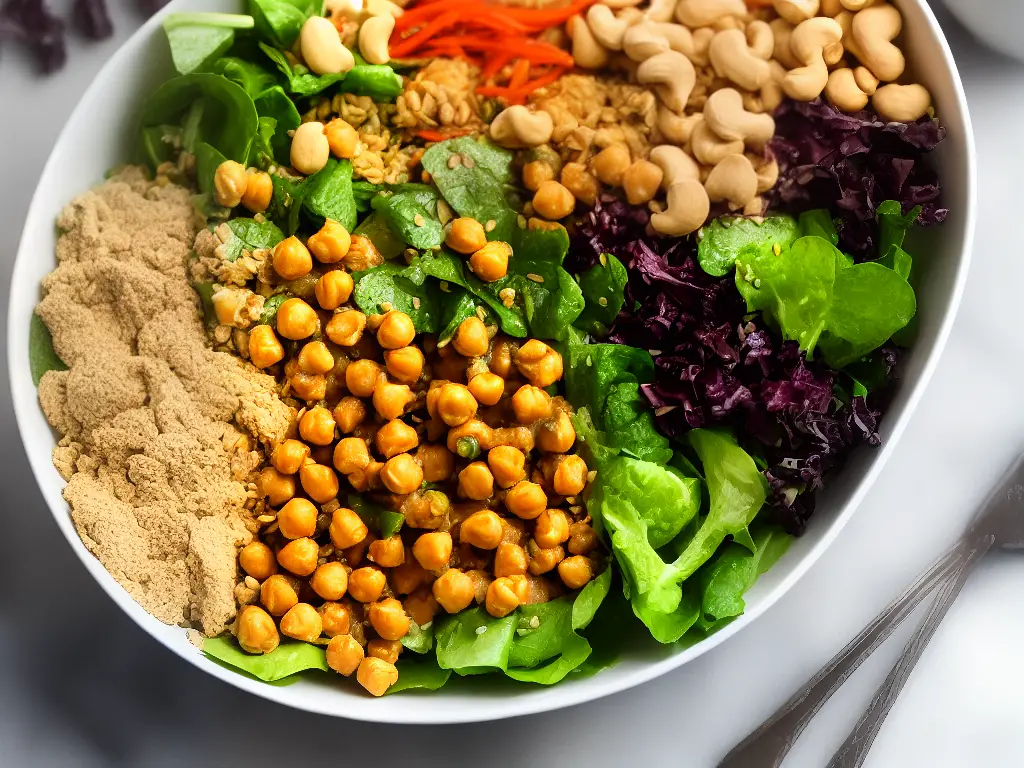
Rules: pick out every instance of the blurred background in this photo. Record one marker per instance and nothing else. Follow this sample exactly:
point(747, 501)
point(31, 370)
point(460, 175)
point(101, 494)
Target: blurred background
point(80, 685)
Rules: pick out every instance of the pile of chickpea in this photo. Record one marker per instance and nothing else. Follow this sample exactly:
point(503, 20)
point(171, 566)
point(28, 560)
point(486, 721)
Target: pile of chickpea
point(462, 439)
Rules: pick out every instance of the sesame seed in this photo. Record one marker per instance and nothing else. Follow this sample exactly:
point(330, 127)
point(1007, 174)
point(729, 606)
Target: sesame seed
point(654, 352)
point(444, 286)
point(522, 632)
point(777, 249)
point(468, 161)
point(454, 161)
point(480, 630)
point(265, 519)
point(664, 409)
point(387, 306)
point(251, 583)
point(535, 622)
point(481, 314)
point(535, 277)
point(603, 258)
point(591, 475)
point(416, 302)
point(521, 221)
point(603, 301)
point(757, 282)
point(418, 220)
point(490, 225)
point(428, 625)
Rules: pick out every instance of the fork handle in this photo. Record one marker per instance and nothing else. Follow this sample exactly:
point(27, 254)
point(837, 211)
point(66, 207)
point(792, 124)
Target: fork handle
point(854, 750)
point(770, 743)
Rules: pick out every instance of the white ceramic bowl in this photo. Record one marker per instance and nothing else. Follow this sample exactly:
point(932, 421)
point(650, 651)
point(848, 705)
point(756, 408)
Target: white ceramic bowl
point(101, 133)
point(997, 23)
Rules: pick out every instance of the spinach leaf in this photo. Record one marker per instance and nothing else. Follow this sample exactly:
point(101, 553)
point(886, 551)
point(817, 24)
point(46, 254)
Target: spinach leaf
point(893, 224)
point(871, 303)
point(253, 78)
point(419, 673)
point(274, 103)
point(208, 158)
point(286, 203)
point(386, 285)
point(604, 291)
point(328, 194)
point(819, 223)
point(412, 214)
point(289, 658)
point(197, 39)
point(735, 568)
point(550, 298)
point(41, 356)
point(211, 108)
point(459, 306)
point(378, 81)
point(270, 307)
point(899, 261)
point(262, 153)
point(384, 522)
point(280, 21)
point(722, 240)
point(300, 80)
point(473, 642)
point(419, 639)
point(250, 235)
point(160, 143)
point(376, 227)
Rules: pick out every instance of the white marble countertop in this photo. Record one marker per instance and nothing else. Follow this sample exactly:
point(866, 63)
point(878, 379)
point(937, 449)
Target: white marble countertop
point(82, 685)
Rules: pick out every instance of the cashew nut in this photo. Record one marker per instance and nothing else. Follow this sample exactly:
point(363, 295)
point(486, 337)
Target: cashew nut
point(704, 13)
point(675, 164)
point(843, 92)
point(845, 20)
point(672, 75)
point(783, 31)
point(321, 48)
point(733, 60)
point(866, 81)
point(761, 39)
point(767, 174)
point(725, 115)
point(831, 8)
point(676, 127)
point(701, 45)
point(709, 148)
point(374, 34)
point(660, 10)
point(796, 11)
point(857, 5)
point(643, 40)
point(607, 29)
point(771, 91)
point(734, 180)
point(586, 51)
point(518, 127)
point(873, 30)
point(617, 4)
point(687, 209)
point(902, 103)
point(808, 44)
point(382, 8)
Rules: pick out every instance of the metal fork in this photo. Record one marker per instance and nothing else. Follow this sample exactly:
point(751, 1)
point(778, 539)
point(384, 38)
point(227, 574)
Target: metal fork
point(1000, 522)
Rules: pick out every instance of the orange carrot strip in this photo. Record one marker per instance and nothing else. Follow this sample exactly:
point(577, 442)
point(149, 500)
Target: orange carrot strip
point(410, 44)
point(520, 74)
point(494, 65)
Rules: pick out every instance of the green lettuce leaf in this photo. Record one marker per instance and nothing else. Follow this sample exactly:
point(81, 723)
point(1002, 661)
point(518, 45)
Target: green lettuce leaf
point(419, 674)
point(722, 240)
point(735, 568)
point(199, 39)
point(604, 291)
point(41, 356)
point(289, 658)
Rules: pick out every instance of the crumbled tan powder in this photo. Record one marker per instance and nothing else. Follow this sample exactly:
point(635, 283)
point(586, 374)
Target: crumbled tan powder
point(158, 431)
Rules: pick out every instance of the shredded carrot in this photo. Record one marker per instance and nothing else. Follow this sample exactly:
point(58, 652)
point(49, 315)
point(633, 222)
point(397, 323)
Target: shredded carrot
point(520, 74)
point(442, 135)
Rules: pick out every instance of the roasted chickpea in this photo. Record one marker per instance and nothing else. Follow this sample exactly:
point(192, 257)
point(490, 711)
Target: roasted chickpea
point(530, 404)
point(347, 528)
point(386, 650)
point(344, 654)
point(319, 481)
point(501, 356)
point(539, 363)
point(556, 435)
point(296, 320)
point(366, 584)
point(342, 138)
point(350, 455)
point(291, 259)
point(315, 357)
point(401, 474)
point(502, 597)
point(453, 590)
point(230, 182)
point(526, 500)
point(258, 192)
point(480, 436)
point(317, 426)
point(396, 437)
point(333, 289)
point(331, 243)
point(536, 172)
point(487, 388)
point(336, 618)
point(575, 571)
point(544, 560)
point(349, 413)
point(510, 560)
point(438, 463)
point(387, 553)
point(408, 577)
point(278, 594)
point(310, 387)
point(265, 348)
point(582, 539)
point(405, 364)
point(570, 475)
point(455, 404)
point(471, 338)
point(611, 163)
point(389, 619)
point(277, 487)
point(421, 606)
point(376, 675)
point(396, 330)
point(256, 630)
point(481, 529)
point(641, 181)
point(508, 465)
point(552, 528)
point(512, 529)
point(330, 581)
point(361, 377)
point(257, 560)
point(466, 235)
point(288, 456)
point(355, 555)
point(433, 550)
point(297, 519)
point(364, 479)
point(580, 182)
point(346, 328)
point(553, 201)
point(302, 622)
point(490, 263)
point(390, 399)
point(299, 556)
point(476, 482)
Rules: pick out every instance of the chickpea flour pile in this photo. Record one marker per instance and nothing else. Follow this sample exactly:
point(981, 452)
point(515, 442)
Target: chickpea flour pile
point(527, 329)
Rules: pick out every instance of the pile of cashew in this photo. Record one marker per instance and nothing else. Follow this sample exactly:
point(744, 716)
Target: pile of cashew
point(718, 70)
point(320, 41)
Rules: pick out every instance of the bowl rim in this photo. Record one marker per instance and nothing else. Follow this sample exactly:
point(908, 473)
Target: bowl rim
point(24, 396)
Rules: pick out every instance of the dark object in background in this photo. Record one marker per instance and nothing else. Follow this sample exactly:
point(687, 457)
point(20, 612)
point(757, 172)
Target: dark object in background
point(91, 19)
point(32, 23)
point(149, 7)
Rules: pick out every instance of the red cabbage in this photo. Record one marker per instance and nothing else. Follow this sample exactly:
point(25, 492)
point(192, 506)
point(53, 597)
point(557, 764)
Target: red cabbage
point(850, 163)
point(32, 23)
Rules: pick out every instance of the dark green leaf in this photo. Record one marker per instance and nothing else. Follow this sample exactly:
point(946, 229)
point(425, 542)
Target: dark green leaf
point(604, 291)
point(419, 673)
point(386, 285)
point(722, 240)
point(160, 144)
point(384, 522)
point(270, 307)
point(473, 642)
point(412, 215)
point(41, 357)
point(250, 235)
point(818, 223)
point(893, 225)
point(198, 39)
point(274, 102)
point(280, 21)
point(329, 193)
